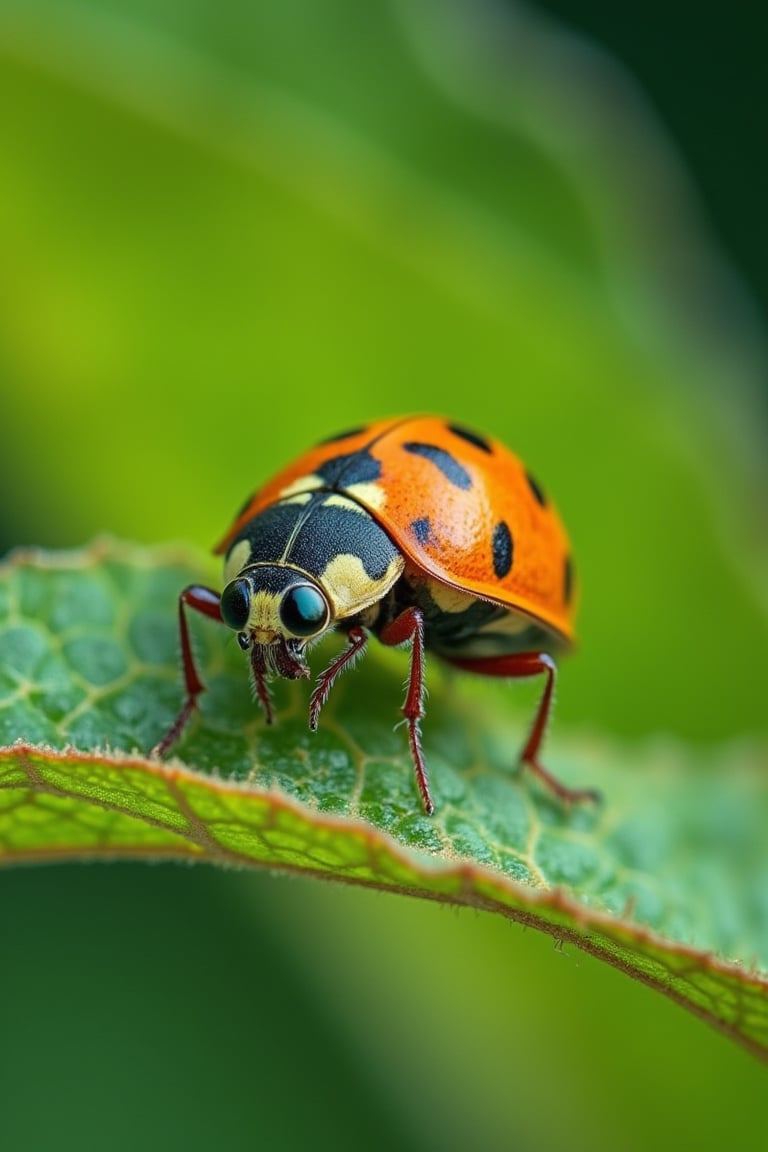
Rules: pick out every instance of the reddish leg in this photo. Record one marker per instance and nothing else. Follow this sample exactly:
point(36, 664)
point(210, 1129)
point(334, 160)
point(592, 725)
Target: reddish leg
point(408, 628)
point(519, 665)
point(358, 638)
point(206, 601)
point(264, 696)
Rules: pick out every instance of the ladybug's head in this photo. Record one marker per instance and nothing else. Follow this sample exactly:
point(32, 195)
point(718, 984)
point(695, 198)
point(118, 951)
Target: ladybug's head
point(276, 611)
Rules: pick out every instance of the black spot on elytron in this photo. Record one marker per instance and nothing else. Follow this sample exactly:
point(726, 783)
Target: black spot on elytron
point(537, 490)
point(502, 549)
point(568, 580)
point(471, 437)
point(443, 460)
point(354, 468)
point(422, 529)
point(343, 435)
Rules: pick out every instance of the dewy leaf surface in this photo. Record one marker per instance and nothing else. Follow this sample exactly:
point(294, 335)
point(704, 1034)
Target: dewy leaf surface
point(667, 880)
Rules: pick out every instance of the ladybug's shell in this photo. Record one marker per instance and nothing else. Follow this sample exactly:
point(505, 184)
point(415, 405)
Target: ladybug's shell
point(460, 507)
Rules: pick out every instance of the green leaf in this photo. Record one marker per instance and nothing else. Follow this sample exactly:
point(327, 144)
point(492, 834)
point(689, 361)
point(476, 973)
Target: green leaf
point(668, 880)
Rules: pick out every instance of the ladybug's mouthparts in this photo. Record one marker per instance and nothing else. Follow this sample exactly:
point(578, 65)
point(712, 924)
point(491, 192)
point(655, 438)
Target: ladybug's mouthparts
point(280, 658)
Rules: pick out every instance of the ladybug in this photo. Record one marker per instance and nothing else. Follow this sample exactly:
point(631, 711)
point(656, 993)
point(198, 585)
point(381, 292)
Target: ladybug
point(417, 530)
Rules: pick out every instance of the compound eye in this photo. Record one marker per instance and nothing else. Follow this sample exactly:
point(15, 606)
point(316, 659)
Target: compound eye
point(236, 604)
point(304, 610)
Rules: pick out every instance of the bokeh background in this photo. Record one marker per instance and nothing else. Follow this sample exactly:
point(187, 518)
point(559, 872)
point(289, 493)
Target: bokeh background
point(228, 230)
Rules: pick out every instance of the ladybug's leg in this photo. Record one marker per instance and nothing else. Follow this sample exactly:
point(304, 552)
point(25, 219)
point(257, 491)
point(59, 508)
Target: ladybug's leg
point(523, 664)
point(264, 696)
point(358, 638)
point(408, 628)
point(206, 601)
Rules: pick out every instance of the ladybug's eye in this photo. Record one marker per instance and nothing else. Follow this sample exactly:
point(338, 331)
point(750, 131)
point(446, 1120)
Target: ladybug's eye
point(304, 610)
point(236, 604)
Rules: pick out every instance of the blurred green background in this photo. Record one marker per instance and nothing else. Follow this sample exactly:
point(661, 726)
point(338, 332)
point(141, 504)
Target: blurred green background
point(229, 230)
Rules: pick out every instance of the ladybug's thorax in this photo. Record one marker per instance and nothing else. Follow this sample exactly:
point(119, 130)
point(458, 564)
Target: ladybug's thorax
point(319, 538)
